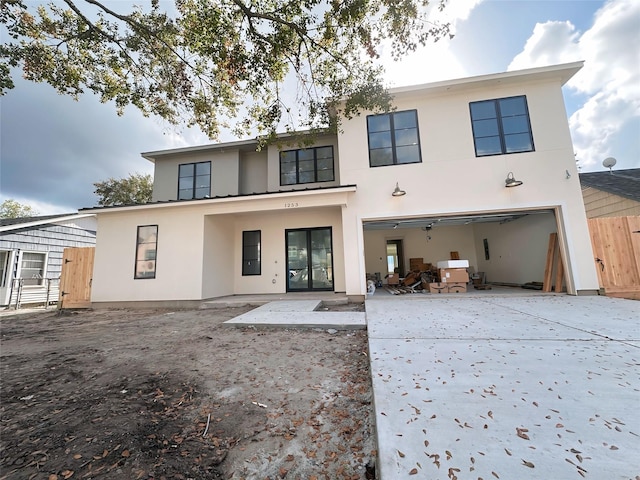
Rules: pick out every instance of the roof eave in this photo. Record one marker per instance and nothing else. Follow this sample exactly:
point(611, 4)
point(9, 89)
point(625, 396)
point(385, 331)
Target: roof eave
point(563, 73)
point(234, 145)
point(214, 200)
point(20, 226)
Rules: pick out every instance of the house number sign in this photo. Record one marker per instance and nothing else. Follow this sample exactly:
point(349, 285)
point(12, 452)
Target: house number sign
point(291, 205)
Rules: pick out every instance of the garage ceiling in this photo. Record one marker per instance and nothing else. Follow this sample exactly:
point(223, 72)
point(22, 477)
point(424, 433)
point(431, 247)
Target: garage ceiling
point(426, 223)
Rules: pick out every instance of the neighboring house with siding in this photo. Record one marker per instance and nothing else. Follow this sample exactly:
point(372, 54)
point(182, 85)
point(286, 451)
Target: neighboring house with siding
point(31, 254)
point(615, 193)
point(431, 177)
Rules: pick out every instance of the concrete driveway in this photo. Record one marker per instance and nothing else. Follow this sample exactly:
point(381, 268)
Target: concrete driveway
point(531, 387)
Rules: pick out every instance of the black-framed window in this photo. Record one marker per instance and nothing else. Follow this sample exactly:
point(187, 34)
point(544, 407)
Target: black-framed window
point(251, 246)
point(394, 138)
point(308, 165)
point(501, 126)
point(194, 180)
point(146, 249)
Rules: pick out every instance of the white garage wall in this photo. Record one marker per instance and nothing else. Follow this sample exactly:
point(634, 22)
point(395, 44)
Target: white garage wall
point(443, 241)
point(517, 250)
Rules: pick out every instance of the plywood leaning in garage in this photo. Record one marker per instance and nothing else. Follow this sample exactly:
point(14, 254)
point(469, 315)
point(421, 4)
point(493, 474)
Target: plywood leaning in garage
point(76, 277)
point(616, 250)
point(554, 262)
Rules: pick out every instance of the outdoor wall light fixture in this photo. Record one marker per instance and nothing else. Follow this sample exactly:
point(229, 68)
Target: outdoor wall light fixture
point(397, 192)
point(511, 181)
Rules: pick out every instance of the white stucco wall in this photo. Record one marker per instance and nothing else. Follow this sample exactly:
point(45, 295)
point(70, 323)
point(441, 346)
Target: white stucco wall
point(199, 251)
point(178, 262)
point(274, 261)
point(451, 180)
point(205, 237)
point(218, 259)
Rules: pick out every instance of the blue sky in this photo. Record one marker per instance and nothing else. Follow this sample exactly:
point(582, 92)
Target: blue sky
point(52, 149)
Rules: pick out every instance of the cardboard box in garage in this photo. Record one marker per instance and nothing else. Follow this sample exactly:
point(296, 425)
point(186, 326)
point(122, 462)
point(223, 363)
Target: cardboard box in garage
point(457, 287)
point(453, 275)
point(415, 263)
point(438, 288)
point(393, 279)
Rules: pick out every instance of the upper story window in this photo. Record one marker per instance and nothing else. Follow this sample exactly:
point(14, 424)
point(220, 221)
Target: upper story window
point(308, 165)
point(393, 138)
point(194, 180)
point(501, 126)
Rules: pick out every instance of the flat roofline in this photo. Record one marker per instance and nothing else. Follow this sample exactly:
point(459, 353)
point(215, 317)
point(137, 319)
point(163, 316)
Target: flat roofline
point(218, 146)
point(563, 72)
point(220, 199)
point(233, 145)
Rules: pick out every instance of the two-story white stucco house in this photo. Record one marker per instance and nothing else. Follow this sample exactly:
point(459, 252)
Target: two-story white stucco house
point(422, 181)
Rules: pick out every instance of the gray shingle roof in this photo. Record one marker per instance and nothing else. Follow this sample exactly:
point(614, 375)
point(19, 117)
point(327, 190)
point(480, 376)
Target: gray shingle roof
point(17, 221)
point(625, 183)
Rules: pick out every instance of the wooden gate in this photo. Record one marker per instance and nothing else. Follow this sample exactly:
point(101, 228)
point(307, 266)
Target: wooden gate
point(76, 277)
point(616, 248)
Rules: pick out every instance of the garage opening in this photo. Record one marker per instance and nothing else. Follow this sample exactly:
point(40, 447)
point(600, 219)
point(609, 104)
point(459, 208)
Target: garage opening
point(502, 249)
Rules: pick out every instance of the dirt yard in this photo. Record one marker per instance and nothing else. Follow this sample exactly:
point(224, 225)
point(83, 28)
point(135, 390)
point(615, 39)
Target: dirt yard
point(177, 395)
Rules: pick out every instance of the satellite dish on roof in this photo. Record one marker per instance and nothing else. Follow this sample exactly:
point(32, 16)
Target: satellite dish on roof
point(609, 162)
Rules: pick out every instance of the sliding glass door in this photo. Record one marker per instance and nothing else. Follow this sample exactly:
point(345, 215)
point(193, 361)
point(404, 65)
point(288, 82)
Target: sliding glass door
point(309, 259)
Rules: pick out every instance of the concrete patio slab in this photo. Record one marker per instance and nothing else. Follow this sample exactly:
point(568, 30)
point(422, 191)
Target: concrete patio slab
point(299, 314)
point(290, 306)
point(231, 301)
point(527, 388)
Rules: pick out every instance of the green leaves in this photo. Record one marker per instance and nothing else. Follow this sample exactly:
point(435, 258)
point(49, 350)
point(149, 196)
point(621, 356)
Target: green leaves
point(256, 67)
point(134, 189)
point(12, 209)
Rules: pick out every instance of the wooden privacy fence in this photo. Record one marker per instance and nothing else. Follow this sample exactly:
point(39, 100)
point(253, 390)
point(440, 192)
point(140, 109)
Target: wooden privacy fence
point(616, 250)
point(76, 277)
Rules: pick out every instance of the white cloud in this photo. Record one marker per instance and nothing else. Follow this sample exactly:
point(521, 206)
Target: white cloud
point(434, 61)
point(456, 10)
point(610, 79)
point(551, 43)
point(41, 208)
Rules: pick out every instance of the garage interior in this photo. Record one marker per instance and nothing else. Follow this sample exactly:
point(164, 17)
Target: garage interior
point(504, 250)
